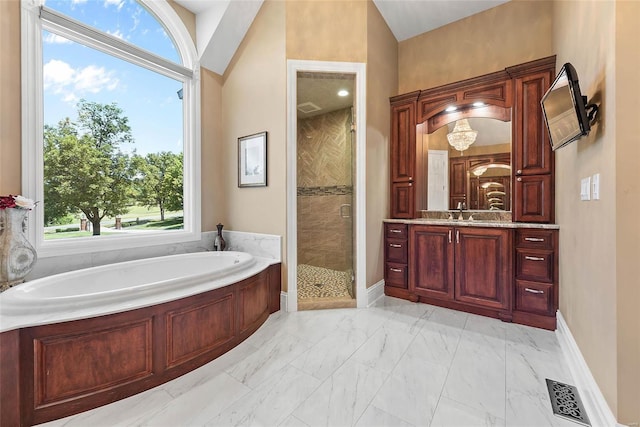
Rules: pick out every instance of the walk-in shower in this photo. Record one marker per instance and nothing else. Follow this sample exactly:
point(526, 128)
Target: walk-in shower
point(325, 190)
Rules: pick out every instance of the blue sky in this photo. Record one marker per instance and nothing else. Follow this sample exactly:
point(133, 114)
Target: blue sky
point(72, 72)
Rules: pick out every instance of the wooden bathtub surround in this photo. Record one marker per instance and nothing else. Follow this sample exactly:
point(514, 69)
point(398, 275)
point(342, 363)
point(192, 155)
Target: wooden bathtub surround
point(510, 273)
point(53, 371)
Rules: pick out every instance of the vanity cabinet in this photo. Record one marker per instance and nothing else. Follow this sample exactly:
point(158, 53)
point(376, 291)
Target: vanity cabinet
point(532, 155)
point(507, 272)
point(467, 265)
point(396, 257)
point(511, 94)
point(403, 155)
point(536, 277)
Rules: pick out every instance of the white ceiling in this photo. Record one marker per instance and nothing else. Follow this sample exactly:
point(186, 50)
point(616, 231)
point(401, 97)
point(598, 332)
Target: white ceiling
point(222, 24)
point(408, 18)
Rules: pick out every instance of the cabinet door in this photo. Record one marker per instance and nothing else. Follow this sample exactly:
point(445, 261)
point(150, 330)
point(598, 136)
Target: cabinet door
point(531, 150)
point(532, 201)
point(483, 267)
point(431, 257)
point(403, 142)
point(457, 182)
point(402, 200)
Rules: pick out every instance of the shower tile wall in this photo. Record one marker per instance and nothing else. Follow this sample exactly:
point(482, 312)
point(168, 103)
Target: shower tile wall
point(324, 186)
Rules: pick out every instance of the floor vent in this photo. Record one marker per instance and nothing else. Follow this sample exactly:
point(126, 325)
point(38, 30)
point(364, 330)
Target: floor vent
point(566, 402)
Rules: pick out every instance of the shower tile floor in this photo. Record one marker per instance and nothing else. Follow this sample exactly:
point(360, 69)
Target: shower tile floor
point(320, 288)
point(396, 363)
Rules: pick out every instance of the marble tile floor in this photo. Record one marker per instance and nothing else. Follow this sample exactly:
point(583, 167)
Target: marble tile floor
point(394, 364)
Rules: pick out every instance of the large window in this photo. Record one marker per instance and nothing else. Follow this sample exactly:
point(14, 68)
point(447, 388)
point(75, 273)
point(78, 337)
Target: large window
point(110, 125)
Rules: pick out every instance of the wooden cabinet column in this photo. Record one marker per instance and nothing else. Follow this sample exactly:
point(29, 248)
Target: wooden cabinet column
point(403, 155)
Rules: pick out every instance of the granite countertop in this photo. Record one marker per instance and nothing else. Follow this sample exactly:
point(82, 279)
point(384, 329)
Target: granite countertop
point(474, 223)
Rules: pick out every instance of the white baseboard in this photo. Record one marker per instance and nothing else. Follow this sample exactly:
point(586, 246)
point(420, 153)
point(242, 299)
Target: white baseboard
point(595, 404)
point(375, 292)
point(283, 301)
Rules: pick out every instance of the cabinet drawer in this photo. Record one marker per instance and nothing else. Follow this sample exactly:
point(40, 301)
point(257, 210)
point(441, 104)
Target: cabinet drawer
point(534, 297)
point(536, 239)
point(396, 250)
point(536, 265)
point(395, 275)
point(395, 231)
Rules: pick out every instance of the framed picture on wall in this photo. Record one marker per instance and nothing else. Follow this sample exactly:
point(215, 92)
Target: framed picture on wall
point(252, 160)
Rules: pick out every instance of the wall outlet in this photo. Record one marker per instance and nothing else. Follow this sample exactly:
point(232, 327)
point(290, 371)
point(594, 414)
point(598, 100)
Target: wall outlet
point(595, 186)
point(585, 188)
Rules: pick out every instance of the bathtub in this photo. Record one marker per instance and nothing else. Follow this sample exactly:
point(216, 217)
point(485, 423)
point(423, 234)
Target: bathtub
point(123, 328)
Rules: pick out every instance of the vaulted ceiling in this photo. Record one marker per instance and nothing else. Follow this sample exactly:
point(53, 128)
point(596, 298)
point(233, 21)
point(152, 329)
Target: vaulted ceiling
point(222, 24)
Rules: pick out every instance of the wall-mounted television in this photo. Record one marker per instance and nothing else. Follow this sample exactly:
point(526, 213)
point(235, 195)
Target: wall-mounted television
point(565, 109)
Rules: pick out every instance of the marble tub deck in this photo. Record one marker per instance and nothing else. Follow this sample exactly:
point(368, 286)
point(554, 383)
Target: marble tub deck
point(394, 364)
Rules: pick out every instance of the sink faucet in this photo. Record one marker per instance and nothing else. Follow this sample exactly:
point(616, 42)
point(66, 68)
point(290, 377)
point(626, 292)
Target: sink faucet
point(461, 206)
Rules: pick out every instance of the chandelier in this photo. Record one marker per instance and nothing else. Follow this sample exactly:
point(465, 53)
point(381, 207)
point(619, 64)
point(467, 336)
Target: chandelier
point(462, 135)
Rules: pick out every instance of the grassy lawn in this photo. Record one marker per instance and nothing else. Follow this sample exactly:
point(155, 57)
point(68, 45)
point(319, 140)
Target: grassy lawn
point(148, 220)
point(71, 234)
point(173, 223)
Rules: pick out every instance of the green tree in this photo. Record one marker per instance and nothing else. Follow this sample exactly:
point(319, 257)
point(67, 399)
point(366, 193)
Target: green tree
point(159, 181)
point(84, 169)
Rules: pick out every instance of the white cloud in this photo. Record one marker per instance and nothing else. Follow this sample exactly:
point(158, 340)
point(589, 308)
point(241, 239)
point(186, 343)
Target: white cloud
point(57, 74)
point(117, 3)
point(94, 79)
point(78, 1)
point(55, 39)
point(60, 78)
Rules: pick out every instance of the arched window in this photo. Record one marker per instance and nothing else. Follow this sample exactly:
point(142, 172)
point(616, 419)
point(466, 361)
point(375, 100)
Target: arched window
point(111, 126)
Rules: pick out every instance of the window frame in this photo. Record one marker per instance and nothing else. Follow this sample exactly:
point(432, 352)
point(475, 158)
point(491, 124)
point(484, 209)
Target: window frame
point(33, 126)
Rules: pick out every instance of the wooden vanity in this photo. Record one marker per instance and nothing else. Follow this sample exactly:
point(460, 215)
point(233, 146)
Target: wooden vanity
point(502, 269)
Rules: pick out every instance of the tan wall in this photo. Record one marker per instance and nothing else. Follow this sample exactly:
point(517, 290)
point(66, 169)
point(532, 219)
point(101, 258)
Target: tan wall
point(10, 117)
point(327, 30)
point(213, 182)
point(187, 17)
point(382, 81)
point(254, 100)
point(509, 34)
point(627, 206)
point(590, 256)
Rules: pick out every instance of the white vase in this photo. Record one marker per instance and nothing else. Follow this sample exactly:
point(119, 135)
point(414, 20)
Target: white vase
point(17, 256)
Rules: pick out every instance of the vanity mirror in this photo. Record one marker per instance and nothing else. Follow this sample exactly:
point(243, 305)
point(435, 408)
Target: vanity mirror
point(479, 176)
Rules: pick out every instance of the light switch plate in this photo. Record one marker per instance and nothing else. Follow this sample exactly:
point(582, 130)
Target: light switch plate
point(585, 188)
point(595, 186)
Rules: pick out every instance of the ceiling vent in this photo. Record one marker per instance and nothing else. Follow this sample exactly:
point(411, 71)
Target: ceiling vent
point(308, 107)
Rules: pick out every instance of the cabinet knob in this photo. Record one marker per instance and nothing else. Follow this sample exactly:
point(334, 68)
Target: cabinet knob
point(396, 270)
point(395, 245)
point(533, 258)
point(519, 179)
point(519, 172)
point(533, 239)
point(393, 230)
point(533, 291)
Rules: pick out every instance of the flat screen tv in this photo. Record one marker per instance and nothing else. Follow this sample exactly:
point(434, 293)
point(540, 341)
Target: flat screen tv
point(565, 110)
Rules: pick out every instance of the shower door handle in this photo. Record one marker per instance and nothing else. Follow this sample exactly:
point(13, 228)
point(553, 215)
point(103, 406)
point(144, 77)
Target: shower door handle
point(345, 210)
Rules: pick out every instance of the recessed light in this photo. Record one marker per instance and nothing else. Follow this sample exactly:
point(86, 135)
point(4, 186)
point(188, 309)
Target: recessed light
point(451, 108)
point(343, 92)
point(479, 104)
